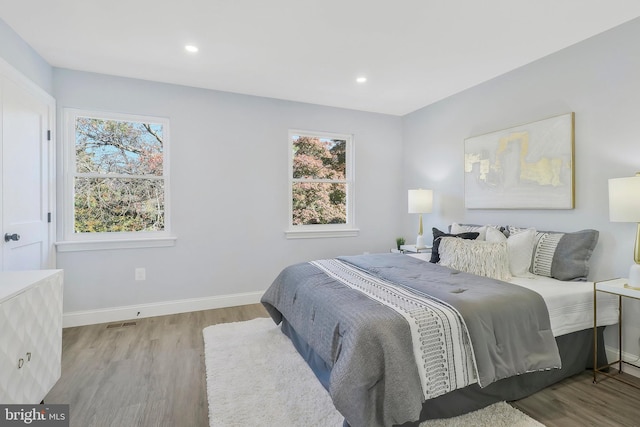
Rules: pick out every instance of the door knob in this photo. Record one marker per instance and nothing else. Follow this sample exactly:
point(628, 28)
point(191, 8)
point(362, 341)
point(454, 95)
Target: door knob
point(8, 237)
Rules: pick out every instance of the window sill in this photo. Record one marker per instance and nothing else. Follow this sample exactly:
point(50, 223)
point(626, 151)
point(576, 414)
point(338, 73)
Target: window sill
point(97, 245)
point(320, 234)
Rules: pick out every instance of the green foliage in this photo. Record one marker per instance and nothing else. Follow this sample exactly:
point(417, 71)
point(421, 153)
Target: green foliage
point(134, 202)
point(317, 200)
point(118, 205)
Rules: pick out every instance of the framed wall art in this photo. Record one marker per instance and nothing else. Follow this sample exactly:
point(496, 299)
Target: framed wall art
point(524, 167)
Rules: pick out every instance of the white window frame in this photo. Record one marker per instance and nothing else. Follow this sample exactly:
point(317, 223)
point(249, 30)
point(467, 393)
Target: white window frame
point(108, 240)
point(324, 230)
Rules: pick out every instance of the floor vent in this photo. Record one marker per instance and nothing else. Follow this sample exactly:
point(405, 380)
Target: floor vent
point(120, 325)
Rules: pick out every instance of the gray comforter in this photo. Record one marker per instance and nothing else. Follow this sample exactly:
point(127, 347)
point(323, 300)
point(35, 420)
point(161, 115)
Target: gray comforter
point(374, 379)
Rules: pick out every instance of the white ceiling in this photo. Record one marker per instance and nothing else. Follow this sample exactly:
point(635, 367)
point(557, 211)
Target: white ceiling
point(413, 52)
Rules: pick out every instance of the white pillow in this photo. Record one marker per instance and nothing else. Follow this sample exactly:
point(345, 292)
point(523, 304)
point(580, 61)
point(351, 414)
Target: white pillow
point(520, 247)
point(482, 230)
point(479, 257)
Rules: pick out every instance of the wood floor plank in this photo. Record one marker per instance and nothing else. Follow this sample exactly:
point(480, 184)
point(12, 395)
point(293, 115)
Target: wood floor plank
point(578, 402)
point(150, 374)
point(153, 375)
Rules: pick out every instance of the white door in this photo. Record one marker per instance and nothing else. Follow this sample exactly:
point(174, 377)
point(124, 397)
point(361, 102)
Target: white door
point(25, 125)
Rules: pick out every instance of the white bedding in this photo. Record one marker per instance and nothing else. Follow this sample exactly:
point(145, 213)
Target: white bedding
point(570, 304)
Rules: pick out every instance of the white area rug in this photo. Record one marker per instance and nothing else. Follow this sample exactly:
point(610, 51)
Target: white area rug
point(255, 377)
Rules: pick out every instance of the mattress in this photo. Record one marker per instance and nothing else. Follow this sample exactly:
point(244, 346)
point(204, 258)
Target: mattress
point(570, 304)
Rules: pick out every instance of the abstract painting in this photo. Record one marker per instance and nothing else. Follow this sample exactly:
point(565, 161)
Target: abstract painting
point(524, 167)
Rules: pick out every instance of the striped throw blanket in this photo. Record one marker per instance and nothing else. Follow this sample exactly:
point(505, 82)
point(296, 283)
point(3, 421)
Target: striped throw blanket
point(441, 345)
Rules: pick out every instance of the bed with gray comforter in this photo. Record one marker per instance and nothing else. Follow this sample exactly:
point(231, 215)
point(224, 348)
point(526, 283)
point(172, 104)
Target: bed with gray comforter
point(388, 334)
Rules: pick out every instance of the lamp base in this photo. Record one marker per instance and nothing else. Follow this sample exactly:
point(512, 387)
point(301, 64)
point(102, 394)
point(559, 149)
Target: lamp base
point(420, 242)
point(634, 276)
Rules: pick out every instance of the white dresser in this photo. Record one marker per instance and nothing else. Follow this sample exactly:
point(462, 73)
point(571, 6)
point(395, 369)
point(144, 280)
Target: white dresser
point(30, 334)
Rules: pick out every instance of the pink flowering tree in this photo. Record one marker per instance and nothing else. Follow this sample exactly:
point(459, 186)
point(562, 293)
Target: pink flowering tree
point(319, 188)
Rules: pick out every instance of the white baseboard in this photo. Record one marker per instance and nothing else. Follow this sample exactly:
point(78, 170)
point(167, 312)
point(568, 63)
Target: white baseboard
point(612, 354)
point(115, 314)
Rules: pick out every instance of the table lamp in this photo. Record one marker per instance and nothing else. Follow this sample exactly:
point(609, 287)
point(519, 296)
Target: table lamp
point(420, 201)
point(624, 206)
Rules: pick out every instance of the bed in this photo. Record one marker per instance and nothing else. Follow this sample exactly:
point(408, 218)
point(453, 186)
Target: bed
point(396, 340)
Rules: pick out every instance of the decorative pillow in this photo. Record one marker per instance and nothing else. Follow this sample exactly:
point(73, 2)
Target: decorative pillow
point(479, 257)
point(563, 256)
point(465, 228)
point(438, 234)
point(456, 228)
point(520, 246)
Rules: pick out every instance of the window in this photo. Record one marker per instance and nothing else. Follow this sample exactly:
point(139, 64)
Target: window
point(116, 185)
point(321, 185)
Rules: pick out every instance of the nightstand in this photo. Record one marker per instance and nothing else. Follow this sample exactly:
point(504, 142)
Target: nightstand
point(615, 287)
point(420, 253)
point(413, 249)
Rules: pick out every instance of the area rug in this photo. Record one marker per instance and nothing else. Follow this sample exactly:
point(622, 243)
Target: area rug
point(255, 377)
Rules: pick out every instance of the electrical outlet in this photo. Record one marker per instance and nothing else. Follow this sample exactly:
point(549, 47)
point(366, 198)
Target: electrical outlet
point(141, 274)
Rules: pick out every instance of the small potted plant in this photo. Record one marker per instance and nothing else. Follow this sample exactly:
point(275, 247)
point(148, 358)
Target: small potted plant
point(399, 242)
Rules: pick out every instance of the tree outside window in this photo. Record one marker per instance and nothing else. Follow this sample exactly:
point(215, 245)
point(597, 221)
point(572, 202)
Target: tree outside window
point(320, 183)
point(118, 174)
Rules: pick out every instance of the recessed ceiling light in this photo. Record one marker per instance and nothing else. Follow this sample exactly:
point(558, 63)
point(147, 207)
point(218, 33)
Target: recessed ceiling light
point(361, 79)
point(191, 48)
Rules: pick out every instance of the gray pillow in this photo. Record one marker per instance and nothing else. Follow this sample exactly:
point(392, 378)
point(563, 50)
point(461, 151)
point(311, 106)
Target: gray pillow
point(563, 256)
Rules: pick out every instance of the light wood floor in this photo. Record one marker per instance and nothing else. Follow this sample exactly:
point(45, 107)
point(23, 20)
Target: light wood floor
point(578, 402)
point(152, 374)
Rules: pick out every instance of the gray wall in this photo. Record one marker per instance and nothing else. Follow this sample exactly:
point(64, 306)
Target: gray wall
point(229, 191)
point(22, 57)
point(599, 80)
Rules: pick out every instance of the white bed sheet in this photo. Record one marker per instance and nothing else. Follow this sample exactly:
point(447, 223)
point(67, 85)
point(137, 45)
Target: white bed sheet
point(570, 304)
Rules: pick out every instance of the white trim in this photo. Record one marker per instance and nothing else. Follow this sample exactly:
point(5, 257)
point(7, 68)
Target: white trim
point(115, 314)
point(324, 230)
point(612, 354)
point(96, 241)
point(53, 183)
point(318, 234)
point(97, 245)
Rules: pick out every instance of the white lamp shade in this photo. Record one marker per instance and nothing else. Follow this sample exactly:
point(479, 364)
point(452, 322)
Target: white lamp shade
point(624, 199)
point(420, 201)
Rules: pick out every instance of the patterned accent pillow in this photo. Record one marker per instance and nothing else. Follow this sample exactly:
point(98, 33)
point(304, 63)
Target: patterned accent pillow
point(456, 228)
point(563, 256)
point(479, 257)
point(438, 235)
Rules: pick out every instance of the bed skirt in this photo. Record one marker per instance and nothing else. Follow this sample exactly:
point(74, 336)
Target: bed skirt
point(576, 352)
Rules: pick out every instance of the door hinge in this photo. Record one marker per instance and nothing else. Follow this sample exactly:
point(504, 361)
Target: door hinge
point(48, 135)
point(48, 216)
